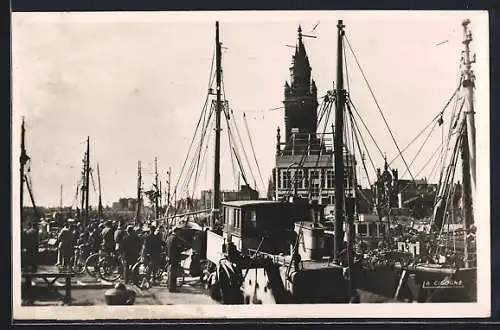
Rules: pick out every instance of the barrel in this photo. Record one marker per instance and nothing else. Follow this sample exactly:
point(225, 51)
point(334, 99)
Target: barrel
point(311, 246)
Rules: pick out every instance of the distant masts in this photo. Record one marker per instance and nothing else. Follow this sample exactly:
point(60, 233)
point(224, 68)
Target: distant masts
point(99, 207)
point(84, 214)
point(169, 173)
point(139, 199)
point(156, 190)
point(87, 183)
point(61, 198)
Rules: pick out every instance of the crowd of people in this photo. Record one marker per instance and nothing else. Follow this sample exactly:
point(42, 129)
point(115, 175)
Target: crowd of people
point(131, 242)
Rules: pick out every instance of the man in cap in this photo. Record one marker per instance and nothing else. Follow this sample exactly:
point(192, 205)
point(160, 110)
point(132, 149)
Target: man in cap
point(66, 245)
point(108, 240)
point(151, 250)
point(131, 246)
point(119, 235)
point(174, 255)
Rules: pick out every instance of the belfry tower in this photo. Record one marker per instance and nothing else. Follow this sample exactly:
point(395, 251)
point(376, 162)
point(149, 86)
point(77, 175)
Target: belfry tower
point(304, 161)
point(300, 96)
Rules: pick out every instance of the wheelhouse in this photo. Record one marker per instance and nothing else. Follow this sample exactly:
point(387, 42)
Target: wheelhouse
point(253, 223)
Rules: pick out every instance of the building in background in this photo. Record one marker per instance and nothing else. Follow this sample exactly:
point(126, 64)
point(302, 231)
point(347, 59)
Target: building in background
point(245, 193)
point(304, 161)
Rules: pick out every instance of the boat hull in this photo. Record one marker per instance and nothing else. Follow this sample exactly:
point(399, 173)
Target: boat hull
point(423, 283)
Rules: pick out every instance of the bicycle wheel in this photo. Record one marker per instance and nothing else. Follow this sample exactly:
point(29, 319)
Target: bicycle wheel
point(78, 264)
point(110, 268)
point(92, 264)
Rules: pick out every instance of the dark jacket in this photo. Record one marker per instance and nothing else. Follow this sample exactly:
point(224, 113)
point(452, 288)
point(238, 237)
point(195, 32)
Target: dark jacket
point(152, 244)
point(131, 245)
point(173, 247)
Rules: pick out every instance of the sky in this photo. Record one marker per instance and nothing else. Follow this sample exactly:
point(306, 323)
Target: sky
point(136, 83)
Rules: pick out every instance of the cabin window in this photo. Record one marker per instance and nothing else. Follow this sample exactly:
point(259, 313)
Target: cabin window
point(330, 179)
point(325, 200)
point(238, 219)
point(362, 229)
point(253, 218)
point(373, 229)
point(230, 216)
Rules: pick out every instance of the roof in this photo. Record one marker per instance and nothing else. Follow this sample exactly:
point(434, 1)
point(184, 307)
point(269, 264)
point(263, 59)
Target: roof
point(243, 203)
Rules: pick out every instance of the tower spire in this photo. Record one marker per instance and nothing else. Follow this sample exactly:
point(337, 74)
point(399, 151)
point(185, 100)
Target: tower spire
point(300, 95)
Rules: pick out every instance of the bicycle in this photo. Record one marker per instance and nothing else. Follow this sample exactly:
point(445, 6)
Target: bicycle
point(78, 261)
point(142, 272)
point(111, 267)
point(93, 261)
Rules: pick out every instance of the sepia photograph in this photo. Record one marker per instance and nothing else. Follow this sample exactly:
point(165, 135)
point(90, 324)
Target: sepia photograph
point(304, 164)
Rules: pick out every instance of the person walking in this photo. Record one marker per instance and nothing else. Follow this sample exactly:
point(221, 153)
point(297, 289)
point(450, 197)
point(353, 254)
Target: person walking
point(131, 246)
point(108, 239)
point(119, 236)
point(66, 245)
point(174, 255)
point(152, 250)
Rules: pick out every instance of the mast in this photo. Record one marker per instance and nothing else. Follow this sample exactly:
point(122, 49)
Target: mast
point(61, 199)
point(156, 189)
point(139, 183)
point(216, 186)
point(339, 144)
point(160, 195)
point(23, 159)
point(81, 214)
point(468, 142)
point(99, 207)
point(468, 84)
point(168, 186)
point(87, 178)
point(30, 191)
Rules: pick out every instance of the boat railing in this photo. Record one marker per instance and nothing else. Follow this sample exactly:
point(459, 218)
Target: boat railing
point(277, 259)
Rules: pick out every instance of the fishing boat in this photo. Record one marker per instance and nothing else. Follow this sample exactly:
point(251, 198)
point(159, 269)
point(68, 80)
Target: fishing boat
point(285, 250)
point(266, 251)
point(453, 276)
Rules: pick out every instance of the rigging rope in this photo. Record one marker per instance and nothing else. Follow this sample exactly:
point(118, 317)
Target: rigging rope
point(362, 139)
point(366, 127)
point(421, 147)
point(354, 129)
point(253, 151)
point(191, 169)
point(197, 174)
point(378, 107)
point(234, 148)
point(240, 140)
point(210, 81)
point(437, 117)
